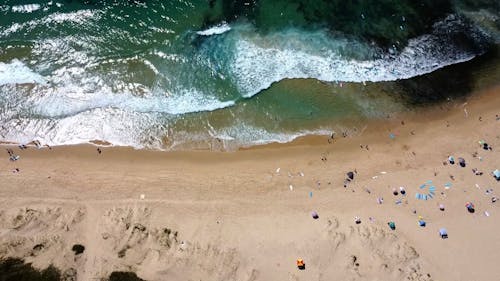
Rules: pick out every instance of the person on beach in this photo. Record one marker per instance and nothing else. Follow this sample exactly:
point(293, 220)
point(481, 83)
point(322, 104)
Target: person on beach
point(395, 192)
point(402, 190)
point(451, 159)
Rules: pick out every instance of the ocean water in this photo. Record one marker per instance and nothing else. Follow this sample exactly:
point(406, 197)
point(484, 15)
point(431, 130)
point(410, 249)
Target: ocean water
point(219, 74)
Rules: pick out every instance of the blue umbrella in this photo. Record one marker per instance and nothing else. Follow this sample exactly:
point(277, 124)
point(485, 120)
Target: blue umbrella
point(443, 233)
point(496, 174)
point(431, 191)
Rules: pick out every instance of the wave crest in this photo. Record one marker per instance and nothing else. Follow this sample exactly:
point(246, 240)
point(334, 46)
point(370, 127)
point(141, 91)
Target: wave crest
point(214, 30)
point(262, 60)
point(17, 72)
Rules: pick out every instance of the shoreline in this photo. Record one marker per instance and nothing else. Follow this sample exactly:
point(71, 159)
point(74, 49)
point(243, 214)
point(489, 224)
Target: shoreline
point(439, 110)
point(245, 215)
point(454, 82)
point(371, 130)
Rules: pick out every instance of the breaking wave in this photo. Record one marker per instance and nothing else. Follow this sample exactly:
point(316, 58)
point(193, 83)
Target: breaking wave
point(260, 61)
point(17, 72)
point(128, 88)
point(218, 29)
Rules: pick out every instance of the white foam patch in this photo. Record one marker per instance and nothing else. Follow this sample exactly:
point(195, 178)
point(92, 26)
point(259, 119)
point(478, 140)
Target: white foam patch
point(78, 17)
point(17, 72)
point(239, 135)
point(246, 135)
point(259, 61)
point(28, 8)
point(113, 125)
point(214, 30)
point(171, 57)
point(72, 99)
point(151, 66)
point(75, 89)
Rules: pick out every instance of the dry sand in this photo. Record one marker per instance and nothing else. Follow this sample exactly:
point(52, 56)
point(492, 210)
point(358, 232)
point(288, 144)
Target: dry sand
point(233, 216)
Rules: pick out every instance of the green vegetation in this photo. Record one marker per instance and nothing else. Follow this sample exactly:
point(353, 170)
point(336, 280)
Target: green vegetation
point(16, 270)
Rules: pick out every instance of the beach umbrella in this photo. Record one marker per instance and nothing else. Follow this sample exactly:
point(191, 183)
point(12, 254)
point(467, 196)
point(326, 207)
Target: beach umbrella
point(451, 160)
point(314, 215)
point(421, 223)
point(470, 207)
point(357, 220)
point(392, 225)
point(496, 174)
point(441, 207)
point(301, 264)
point(350, 175)
point(431, 191)
point(443, 233)
point(461, 161)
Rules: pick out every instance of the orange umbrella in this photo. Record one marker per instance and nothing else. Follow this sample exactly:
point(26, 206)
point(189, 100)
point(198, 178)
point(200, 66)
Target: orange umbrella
point(301, 264)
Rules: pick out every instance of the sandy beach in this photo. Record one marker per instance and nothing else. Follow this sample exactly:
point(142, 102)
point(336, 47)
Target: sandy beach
point(246, 215)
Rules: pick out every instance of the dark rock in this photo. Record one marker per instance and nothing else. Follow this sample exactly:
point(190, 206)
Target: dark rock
point(124, 276)
point(78, 249)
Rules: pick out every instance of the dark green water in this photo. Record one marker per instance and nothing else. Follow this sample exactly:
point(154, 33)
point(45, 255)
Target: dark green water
point(174, 74)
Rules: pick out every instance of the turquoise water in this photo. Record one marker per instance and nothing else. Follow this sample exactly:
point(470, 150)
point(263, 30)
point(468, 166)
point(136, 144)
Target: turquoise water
point(173, 74)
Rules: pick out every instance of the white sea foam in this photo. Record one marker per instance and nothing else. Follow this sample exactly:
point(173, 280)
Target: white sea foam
point(238, 135)
point(28, 8)
point(98, 124)
point(260, 61)
point(171, 57)
point(214, 30)
point(248, 135)
point(151, 66)
point(91, 98)
point(78, 17)
point(72, 99)
point(76, 89)
point(17, 72)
